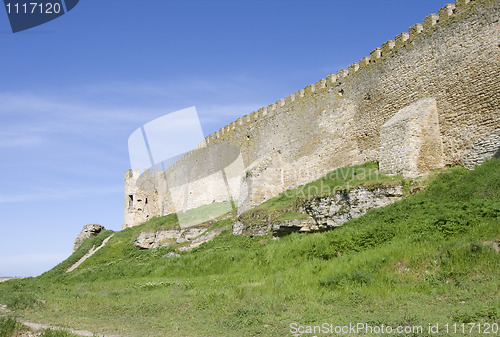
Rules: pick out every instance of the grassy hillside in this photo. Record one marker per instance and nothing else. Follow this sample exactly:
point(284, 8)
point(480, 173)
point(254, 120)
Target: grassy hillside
point(431, 258)
point(10, 327)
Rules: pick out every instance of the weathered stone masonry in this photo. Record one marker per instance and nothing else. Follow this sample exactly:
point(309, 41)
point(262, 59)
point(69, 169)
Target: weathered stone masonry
point(426, 99)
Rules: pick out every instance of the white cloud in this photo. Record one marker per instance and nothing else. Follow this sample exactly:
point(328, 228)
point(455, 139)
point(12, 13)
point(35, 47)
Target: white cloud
point(52, 110)
point(33, 118)
point(176, 88)
point(59, 194)
point(21, 102)
point(10, 140)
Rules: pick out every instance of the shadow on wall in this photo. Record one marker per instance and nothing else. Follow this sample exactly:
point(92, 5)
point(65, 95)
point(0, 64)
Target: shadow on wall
point(497, 154)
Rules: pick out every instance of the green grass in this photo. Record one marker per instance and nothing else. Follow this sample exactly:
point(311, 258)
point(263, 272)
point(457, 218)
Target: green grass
point(10, 327)
point(57, 333)
point(205, 213)
point(427, 259)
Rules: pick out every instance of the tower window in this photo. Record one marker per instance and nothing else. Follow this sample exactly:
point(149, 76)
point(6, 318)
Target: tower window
point(130, 200)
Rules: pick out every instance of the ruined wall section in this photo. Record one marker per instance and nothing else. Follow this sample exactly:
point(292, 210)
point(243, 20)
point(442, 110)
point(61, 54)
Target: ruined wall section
point(146, 195)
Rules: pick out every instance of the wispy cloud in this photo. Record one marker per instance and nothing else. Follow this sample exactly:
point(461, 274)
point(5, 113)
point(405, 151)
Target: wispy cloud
point(16, 102)
point(176, 89)
point(59, 194)
point(45, 108)
point(30, 118)
point(15, 140)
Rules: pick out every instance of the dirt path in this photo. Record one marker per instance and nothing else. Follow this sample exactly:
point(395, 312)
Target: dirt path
point(89, 254)
point(39, 326)
point(36, 328)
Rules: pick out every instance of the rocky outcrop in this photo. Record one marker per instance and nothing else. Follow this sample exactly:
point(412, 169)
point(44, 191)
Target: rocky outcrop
point(201, 239)
point(333, 211)
point(145, 240)
point(192, 237)
point(268, 225)
point(171, 254)
point(87, 232)
point(322, 213)
point(165, 237)
point(286, 227)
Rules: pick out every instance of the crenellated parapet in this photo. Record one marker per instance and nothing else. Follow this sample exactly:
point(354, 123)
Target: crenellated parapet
point(372, 111)
point(335, 80)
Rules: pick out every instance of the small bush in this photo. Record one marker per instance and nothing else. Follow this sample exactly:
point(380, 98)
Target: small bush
point(9, 325)
point(20, 300)
point(57, 333)
point(478, 314)
point(358, 277)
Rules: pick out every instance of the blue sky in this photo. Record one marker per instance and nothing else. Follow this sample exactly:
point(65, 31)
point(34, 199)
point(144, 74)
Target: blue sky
point(74, 89)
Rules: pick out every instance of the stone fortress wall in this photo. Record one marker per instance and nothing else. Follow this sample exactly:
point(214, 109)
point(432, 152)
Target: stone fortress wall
point(428, 98)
